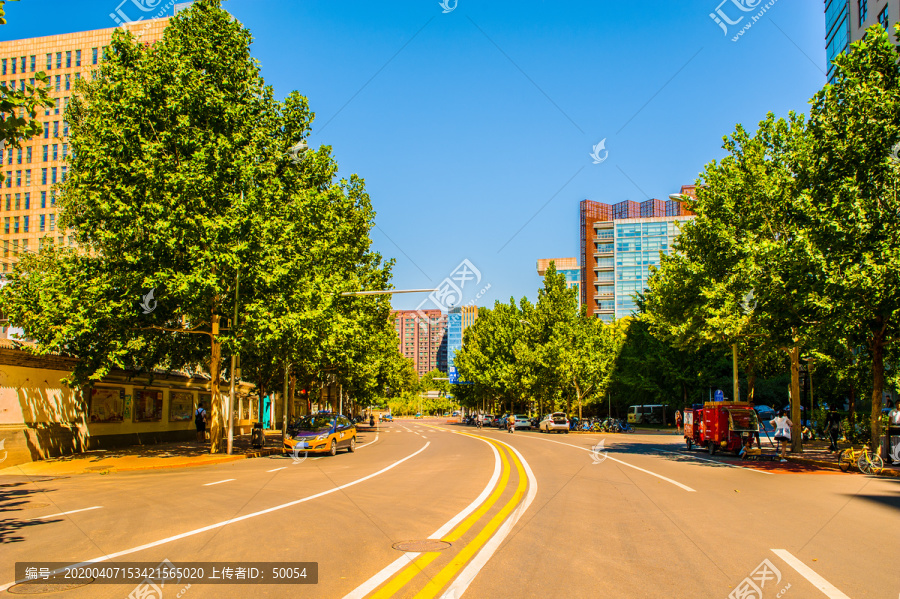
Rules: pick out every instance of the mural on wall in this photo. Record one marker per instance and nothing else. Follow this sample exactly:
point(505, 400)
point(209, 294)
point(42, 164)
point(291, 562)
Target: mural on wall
point(107, 404)
point(181, 406)
point(148, 405)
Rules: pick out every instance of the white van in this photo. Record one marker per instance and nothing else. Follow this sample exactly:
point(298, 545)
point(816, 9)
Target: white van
point(647, 414)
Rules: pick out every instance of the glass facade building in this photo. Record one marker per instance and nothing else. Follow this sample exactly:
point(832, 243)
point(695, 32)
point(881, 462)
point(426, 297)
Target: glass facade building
point(638, 246)
point(837, 31)
point(458, 320)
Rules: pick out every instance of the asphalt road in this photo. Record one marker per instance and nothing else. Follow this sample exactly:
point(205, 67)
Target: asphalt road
point(523, 514)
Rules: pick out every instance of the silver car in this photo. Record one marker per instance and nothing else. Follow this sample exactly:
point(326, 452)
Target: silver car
point(522, 421)
point(556, 421)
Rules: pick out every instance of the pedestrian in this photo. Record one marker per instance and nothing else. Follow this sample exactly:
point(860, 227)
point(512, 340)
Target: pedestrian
point(893, 430)
point(372, 420)
point(678, 421)
point(782, 425)
point(200, 423)
point(833, 427)
point(512, 423)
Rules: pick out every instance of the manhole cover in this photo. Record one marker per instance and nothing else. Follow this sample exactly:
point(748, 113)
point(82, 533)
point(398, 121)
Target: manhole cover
point(421, 546)
point(42, 588)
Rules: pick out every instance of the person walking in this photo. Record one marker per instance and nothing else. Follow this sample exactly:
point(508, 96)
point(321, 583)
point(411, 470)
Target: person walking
point(678, 421)
point(893, 431)
point(833, 427)
point(200, 423)
point(782, 425)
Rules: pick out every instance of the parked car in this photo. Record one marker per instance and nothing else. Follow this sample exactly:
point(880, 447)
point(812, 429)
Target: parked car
point(387, 418)
point(419, 416)
point(523, 421)
point(321, 433)
point(556, 421)
point(765, 412)
point(500, 421)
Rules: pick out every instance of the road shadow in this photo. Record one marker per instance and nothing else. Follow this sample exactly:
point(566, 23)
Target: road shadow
point(16, 501)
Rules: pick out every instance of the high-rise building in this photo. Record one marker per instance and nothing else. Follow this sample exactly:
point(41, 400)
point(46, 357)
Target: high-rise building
point(423, 338)
point(846, 21)
point(565, 266)
point(32, 172)
point(620, 243)
point(458, 320)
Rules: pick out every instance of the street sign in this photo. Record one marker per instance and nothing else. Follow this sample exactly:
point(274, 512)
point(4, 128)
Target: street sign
point(719, 395)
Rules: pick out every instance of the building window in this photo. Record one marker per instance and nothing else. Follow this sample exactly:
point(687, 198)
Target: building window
point(18, 178)
point(46, 130)
point(3, 68)
point(59, 60)
point(55, 146)
point(27, 177)
point(43, 176)
point(94, 52)
point(56, 106)
point(25, 224)
point(65, 150)
point(68, 82)
point(33, 63)
point(58, 82)
point(53, 176)
point(18, 198)
point(8, 202)
point(15, 226)
point(27, 201)
point(6, 225)
point(43, 200)
point(52, 199)
point(65, 128)
point(69, 59)
point(19, 156)
point(49, 61)
point(55, 129)
point(16, 241)
point(884, 19)
point(8, 179)
point(52, 222)
point(13, 66)
point(5, 251)
point(64, 173)
point(28, 155)
point(41, 226)
point(77, 58)
point(863, 11)
point(46, 152)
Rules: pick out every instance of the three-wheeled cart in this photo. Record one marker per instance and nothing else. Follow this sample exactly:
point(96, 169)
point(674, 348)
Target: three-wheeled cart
point(725, 425)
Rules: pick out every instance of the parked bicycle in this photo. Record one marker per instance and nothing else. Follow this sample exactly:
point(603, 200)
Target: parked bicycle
point(867, 461)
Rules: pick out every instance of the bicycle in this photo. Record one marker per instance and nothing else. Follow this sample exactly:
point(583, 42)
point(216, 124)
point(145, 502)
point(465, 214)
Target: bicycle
point(867, 461)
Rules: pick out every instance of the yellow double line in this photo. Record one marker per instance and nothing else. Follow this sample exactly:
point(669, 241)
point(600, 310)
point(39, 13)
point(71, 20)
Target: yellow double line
point(442, 578)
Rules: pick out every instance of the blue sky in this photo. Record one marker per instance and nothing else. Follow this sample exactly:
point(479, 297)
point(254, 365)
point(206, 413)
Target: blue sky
point(474, 128)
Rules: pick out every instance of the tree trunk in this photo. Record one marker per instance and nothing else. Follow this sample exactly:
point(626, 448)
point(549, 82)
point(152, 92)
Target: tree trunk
point(578, 394)
point(877, 391)
point(216, 423)
point(751, 382)
point(796, 419)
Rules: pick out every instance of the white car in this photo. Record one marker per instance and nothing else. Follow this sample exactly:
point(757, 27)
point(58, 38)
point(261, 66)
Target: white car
point(556, 421)
point(522, 421)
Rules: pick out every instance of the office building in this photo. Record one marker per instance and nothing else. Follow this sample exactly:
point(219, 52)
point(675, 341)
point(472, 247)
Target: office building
point(846, 22)
point(458, 320)
point(620, 242)
point(564, 266)
point(422, 336)
point(33, 171)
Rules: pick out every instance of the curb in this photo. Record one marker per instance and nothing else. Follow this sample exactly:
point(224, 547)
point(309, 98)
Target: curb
point(889, 472)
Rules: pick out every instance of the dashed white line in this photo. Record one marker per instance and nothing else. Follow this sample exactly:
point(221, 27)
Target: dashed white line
point(219, 482)
point(276, 469)
point(828, 589)
point(84, 509)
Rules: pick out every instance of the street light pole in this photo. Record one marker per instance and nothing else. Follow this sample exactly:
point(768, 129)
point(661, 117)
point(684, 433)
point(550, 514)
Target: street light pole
point(234, 358)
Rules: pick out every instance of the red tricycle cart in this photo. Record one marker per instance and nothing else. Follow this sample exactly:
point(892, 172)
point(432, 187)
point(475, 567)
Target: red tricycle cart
point(725, 425)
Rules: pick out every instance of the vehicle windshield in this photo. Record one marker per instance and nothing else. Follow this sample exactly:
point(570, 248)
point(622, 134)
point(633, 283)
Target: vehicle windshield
point(314, 423)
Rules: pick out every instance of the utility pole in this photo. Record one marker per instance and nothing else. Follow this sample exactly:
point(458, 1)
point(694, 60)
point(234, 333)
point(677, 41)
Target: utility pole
point(736, 396)
point(234, 357)
point(287, 368)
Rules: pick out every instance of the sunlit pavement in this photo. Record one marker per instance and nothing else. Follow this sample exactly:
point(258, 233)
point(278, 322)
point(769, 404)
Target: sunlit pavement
point(522, 514)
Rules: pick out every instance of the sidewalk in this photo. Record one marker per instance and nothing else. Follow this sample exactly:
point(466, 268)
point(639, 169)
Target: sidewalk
point(815, 453)
point(145, 457)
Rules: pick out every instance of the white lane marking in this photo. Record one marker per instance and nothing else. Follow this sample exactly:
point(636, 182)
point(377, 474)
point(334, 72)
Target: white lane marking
point(276, 469)
point(84, 509)
point(219, 482)
point(361, 445)
point(828, 589)
point(424, 437)
point(197, 531)
point(465, 578)
point(659, 476)
point(407, 558)
point(693, 457)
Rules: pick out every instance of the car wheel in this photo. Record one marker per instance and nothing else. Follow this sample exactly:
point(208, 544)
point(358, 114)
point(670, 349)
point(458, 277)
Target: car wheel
point(352, 447)
point(332, 451)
